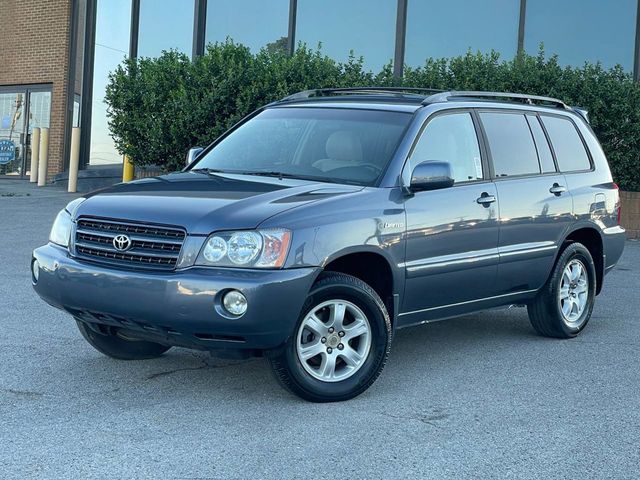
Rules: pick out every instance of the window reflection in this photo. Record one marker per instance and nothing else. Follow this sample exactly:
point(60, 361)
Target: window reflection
point(113, 18)
point(447, 29)
point(253, 23)
point(365, 26)
point(165, 25)
point(583, 30)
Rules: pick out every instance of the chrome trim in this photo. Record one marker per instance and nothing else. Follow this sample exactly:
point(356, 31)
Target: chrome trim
point(522, 292)
point(477, 256)
point(454, 259)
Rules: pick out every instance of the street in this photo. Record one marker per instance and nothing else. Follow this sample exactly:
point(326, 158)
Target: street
point(475, 397)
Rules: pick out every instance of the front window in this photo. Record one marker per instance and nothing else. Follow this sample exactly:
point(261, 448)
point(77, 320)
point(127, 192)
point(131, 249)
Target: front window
point(325, 144)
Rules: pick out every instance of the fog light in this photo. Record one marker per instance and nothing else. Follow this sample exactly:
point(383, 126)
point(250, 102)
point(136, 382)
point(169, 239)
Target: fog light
point(35, 270)
point(235, 303)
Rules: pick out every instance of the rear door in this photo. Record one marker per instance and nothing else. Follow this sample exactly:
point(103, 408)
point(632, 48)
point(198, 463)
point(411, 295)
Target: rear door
point(535, 205)
point(452, 233)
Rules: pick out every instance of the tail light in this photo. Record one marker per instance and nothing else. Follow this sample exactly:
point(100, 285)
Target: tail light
point(618, 202)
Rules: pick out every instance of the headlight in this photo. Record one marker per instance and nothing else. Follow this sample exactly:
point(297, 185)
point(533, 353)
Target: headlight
point(61, 229)
point(247, 248)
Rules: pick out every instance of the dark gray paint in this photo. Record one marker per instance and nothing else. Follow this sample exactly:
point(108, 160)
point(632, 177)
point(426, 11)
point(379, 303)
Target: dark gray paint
point(450, 250)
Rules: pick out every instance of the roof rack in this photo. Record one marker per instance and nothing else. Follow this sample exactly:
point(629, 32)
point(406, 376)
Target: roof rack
point(402, 92)
point(500, 96)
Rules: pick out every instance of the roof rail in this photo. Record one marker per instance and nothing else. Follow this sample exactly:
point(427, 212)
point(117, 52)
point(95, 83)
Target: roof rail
point(500, 96)
point(393, 91)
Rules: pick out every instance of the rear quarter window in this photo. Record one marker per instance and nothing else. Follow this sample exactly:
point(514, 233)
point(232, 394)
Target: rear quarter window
point(570, 151)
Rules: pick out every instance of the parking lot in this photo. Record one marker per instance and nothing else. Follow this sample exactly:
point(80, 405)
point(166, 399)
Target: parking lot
point(475, 397)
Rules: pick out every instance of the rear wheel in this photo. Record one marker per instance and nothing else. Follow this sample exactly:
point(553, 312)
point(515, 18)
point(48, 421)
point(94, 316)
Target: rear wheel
point(113, 345)
point(340, 344)
point(563, 306)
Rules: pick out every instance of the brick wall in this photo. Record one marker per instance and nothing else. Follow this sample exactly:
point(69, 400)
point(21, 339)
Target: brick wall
point(34, 48)
point(630, 216)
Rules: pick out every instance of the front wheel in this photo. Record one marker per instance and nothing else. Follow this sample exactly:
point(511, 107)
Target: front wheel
point(340, 344)
point(114, 345)
point(564, 305)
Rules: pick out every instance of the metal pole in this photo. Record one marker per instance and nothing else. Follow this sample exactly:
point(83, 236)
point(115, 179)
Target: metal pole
point(291, 35)
point(128, 170)
point(401, 34)
point(521, 25)
point(35, 155)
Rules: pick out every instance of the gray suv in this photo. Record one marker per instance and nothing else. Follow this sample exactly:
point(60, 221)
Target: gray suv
point(321, 223)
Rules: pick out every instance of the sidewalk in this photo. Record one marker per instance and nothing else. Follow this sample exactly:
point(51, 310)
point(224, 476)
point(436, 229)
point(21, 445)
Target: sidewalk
point(14, 188)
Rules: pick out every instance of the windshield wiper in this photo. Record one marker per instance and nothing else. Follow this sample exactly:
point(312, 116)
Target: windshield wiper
point(208, 171)
point(277, 174)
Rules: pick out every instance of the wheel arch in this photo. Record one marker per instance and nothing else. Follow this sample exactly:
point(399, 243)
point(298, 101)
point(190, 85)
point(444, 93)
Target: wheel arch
point(373, 267)
point(591, 237)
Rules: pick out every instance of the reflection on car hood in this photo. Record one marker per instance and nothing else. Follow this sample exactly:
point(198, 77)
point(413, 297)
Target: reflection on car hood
point(204, 203)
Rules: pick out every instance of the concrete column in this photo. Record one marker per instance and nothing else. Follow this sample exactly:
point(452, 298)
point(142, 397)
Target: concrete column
point(44, 157)
point(35, 155)
point(74, 160)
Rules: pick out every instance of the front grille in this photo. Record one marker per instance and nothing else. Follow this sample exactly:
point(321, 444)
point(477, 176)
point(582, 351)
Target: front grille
point(152, 246)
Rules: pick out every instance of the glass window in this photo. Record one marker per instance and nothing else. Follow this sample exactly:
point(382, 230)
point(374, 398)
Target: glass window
point(583, 30)
point(451, 138)
point(113, 19)
point(542, 145)
point(165, 25)
point(567, 144)
point(333, 145)
point(367, 27)
point(253, 23)
point(446, 29)
point(511, 144)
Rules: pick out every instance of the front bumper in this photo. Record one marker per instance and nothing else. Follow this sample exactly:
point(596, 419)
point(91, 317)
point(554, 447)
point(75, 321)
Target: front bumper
point(180, 307)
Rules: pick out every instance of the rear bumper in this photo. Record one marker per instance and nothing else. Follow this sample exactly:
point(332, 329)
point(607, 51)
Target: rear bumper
point(613, 239)
point(177, 308)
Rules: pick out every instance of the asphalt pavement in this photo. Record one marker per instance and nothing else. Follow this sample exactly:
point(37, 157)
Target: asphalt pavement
point(475, 397)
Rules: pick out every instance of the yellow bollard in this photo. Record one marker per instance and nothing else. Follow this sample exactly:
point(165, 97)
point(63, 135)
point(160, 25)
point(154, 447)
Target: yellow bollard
point(128, 170)
point(74, 160)
point(44, 157)
point(35, 155)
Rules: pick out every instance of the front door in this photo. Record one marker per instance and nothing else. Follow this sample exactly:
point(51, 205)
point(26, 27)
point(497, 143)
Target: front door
point(452, 233)
point(21, 110)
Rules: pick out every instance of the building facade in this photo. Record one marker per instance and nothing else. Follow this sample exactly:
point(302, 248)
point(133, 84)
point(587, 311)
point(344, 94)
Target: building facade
point(56, 55)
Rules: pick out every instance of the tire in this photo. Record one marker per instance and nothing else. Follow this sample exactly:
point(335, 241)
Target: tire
point(114, 346)
point(366, 327)
point(546, 311)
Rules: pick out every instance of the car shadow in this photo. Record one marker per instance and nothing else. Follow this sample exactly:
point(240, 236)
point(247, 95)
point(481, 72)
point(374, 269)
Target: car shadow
point(182, 374)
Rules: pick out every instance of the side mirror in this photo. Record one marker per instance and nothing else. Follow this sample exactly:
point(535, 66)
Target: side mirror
point(193, 154)
point(431, 175)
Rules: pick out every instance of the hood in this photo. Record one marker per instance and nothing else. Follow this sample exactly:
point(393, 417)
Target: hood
point(205, 203)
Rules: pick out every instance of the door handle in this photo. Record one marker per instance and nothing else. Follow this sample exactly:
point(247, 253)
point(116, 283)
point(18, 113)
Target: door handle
point(557, 189)
point(486, 199)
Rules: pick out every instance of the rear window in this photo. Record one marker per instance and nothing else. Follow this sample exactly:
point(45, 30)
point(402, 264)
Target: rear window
point(511, 144)
point(567, 144)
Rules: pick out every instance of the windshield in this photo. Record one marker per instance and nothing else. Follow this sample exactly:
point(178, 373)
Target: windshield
point(325, 144)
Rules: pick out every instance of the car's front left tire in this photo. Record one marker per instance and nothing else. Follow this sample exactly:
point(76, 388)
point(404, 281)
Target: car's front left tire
point(340, 343)
point(114, 345)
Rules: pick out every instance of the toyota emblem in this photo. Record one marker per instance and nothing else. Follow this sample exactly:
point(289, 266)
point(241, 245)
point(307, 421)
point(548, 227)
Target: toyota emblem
point(122, 243)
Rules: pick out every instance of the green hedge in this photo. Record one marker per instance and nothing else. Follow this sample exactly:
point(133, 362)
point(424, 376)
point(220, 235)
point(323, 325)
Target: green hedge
point(159, 108)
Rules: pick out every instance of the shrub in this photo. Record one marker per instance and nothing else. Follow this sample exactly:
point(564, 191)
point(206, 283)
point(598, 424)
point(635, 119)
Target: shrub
point(159, 108)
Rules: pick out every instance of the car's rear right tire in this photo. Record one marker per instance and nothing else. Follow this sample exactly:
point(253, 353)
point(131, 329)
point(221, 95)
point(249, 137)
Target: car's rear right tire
point(563, 306)
point(116, 346)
